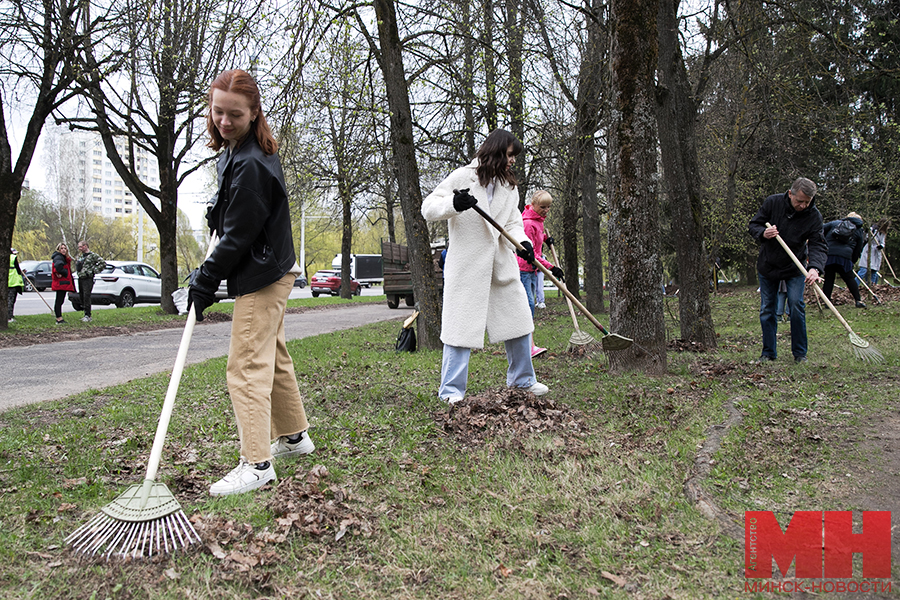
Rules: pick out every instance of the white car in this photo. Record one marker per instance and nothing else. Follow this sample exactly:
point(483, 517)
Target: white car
point(123, 283)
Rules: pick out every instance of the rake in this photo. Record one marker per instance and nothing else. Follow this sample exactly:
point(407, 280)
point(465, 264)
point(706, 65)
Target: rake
point(145, 519)
point(861, 348)
point(578, 339)
point(611, 342)
point(34, 287)
point(877, 299)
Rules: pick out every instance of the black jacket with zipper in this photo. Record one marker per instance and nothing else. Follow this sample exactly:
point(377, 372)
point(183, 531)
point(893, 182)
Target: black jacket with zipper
point(252, 218)
point(801, 231)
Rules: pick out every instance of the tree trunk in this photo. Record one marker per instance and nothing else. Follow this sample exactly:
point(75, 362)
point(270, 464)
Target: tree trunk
point(636, 268)
point(490, 69)
point(417, 237)
point(515, 33)
point(677, 114)
point(588, 111)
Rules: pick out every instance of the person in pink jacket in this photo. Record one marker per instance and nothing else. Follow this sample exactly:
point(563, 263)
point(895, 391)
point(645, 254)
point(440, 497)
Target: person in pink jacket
point(533, 220)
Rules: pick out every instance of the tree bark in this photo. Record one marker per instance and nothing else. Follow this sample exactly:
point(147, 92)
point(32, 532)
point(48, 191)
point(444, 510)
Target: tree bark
point(406, 169)
point(677, 114)
point(589, 113)
point(636, 268)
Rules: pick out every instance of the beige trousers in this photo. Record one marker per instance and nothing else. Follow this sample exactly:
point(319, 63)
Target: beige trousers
point(260, 373)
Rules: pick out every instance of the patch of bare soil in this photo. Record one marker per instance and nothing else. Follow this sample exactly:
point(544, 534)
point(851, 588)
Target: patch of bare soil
point(497, 413)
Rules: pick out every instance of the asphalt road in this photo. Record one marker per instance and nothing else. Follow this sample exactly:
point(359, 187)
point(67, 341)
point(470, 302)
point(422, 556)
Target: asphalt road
point(44, 372)
point(30, 303)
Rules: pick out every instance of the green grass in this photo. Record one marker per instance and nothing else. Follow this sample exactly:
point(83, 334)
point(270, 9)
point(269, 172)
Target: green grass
point(435, 516)
point(142, 315)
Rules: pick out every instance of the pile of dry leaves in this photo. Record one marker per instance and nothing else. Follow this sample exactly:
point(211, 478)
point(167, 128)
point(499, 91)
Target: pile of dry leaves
point(303, 504)
point(508, 411)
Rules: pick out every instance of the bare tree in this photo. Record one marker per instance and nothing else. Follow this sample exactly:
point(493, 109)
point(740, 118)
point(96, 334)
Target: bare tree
point(154, 97)
point(636, 268)
point(390, 59)
point(38, 39)
point(677, 114)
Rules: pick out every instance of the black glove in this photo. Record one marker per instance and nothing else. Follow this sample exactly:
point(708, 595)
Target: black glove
point(463, 200)
point(202, 291)
point(558, 273)
point(526, 253)
point(550, 241)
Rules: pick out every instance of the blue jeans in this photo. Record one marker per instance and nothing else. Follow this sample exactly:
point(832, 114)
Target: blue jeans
point(529, 280)
point(768, 295)
point(873, 275)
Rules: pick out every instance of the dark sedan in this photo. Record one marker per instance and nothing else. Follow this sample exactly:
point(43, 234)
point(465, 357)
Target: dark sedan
point(38, 271)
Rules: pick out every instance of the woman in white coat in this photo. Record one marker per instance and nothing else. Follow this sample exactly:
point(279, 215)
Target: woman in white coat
point(482, 289)
point(870, 259)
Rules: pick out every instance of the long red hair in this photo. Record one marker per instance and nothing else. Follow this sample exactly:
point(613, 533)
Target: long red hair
point(240, 82)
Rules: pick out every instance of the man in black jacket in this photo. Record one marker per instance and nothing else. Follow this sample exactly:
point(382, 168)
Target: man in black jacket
point(794, 217)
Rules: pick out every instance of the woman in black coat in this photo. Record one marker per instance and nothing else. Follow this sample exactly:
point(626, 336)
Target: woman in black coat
point(844, 249)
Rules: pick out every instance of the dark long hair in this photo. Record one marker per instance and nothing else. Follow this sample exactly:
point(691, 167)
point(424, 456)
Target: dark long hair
point(241, 82)
point(492, 157)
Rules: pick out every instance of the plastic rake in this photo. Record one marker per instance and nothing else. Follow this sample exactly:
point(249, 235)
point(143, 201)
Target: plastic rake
point(146, 519)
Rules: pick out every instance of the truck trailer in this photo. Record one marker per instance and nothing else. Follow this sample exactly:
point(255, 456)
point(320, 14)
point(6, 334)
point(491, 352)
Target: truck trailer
point(365, 268)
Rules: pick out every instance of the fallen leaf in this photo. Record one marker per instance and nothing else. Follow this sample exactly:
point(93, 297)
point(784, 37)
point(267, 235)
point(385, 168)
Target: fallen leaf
point(216, 550)
point(504, 571)
point(619, 581)
point(172, 574)
point(65, 507)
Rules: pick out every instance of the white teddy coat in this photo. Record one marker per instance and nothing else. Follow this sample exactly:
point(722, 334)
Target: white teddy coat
point(482, 288)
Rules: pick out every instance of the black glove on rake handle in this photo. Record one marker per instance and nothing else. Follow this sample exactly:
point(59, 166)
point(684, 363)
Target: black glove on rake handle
point(610, 341)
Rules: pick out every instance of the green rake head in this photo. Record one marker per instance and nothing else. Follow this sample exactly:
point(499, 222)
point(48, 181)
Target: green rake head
point(863, 350)
point(144, 520)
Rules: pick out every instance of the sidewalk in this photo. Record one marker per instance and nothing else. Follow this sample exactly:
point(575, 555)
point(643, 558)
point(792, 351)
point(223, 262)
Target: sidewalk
point(51, 371)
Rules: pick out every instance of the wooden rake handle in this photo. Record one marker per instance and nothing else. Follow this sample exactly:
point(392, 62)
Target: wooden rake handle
point(543, 270)
point(817, 288)
point(568, 302)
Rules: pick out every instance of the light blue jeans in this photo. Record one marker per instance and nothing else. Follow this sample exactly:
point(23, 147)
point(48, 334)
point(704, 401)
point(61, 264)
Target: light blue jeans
point(455, 367)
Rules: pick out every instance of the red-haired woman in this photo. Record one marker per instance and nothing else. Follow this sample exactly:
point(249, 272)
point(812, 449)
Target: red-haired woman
point(255, 254)
point(61, 279)
point(482, 289)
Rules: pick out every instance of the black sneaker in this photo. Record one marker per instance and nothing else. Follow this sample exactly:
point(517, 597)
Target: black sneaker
point(766, 358)
point(61, 321)
point(800, 359)
point(860, 304)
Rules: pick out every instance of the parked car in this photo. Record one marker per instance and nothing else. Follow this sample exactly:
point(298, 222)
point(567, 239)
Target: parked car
point(37, 271)
point(123, 283)
point(301, 282)
point(329, 282)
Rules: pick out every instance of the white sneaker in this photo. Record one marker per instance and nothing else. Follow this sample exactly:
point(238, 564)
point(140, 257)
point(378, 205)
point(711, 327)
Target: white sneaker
point(538, 389)
point(452, 399)
point(282, 448)
point(540, 305)
point(244, 478)
point(86, 319)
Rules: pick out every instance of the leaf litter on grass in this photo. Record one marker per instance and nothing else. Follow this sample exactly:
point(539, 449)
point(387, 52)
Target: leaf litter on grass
point(304, 504)
point(508, 411)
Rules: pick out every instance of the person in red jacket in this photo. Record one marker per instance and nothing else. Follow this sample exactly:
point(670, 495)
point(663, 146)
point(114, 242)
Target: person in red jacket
point(533, 220)
point(62, 280)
